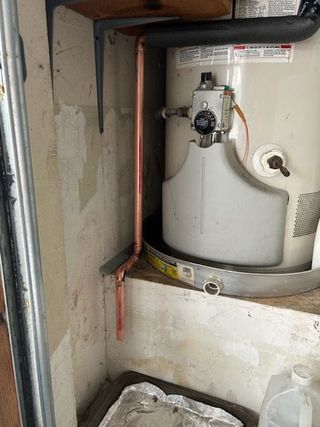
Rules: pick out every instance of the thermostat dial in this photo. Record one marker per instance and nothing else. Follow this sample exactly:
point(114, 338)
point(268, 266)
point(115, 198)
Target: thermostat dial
point(205, 122)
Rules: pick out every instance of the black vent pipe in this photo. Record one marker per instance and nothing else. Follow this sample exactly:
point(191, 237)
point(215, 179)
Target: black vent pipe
point(284, 29)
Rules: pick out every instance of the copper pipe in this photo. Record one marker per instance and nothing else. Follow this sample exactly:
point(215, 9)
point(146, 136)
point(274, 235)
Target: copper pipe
point(138, 194)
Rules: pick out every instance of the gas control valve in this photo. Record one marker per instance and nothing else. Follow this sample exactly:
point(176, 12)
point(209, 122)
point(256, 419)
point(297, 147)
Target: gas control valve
point(211, 107)
point(210, 111)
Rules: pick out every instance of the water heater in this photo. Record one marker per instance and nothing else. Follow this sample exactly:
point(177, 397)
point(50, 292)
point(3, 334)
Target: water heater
point(242, 185)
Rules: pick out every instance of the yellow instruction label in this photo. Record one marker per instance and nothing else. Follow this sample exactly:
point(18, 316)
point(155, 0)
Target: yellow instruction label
point(168, 269)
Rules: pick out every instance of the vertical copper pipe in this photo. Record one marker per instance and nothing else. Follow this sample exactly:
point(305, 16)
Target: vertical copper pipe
point(138, 195)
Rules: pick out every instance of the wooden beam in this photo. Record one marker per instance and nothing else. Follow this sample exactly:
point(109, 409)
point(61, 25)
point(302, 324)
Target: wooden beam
point(9, 407)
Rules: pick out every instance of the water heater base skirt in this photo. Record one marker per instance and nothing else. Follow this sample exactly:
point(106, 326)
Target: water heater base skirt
point(227, 281)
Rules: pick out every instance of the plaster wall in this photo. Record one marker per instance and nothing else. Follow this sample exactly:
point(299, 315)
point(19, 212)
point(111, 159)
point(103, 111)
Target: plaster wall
point(32, 23)
point(222, 346)
point(83, 185)
point(97, 176)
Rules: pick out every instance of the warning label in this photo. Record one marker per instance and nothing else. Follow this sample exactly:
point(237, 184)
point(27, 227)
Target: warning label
point(263, 8)
point(167, 268)
point(206, 55)
point(256, 53)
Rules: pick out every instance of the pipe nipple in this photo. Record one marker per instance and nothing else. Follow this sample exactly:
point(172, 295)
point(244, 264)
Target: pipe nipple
point(213, 286)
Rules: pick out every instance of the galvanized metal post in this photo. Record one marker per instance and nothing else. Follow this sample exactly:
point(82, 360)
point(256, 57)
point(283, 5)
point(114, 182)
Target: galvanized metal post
point(21, 213)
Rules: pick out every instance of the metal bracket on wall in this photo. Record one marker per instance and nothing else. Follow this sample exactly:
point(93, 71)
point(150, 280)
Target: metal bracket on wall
point(114, 263)
point(51, 5)
point(99, 29)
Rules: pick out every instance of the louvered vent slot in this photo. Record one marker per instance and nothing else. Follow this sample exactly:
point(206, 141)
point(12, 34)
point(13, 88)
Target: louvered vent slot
point(307, 215)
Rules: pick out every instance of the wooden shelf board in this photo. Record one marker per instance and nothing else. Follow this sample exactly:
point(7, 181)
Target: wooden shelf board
point(186, 9)
point(308, 302)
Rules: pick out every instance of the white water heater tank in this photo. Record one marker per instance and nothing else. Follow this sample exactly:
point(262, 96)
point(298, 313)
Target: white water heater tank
point(277, 88)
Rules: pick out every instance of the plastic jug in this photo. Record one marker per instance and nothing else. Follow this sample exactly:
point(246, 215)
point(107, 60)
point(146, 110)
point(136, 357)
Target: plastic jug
point(291, 400)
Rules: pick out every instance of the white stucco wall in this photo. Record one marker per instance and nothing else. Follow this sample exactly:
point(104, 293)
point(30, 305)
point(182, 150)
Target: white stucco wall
point(218, 345)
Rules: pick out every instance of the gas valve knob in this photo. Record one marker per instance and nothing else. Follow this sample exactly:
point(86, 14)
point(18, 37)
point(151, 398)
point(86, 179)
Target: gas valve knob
point(276, 162)
point(205, 122)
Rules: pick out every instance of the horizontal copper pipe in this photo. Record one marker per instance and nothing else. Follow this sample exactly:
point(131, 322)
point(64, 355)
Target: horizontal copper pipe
point(138, 193)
